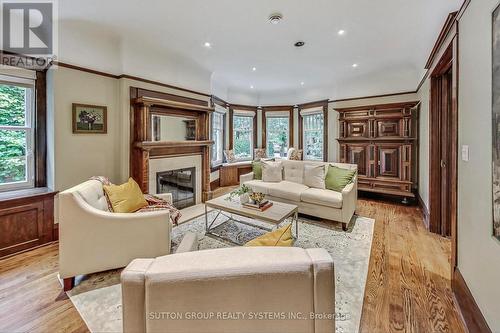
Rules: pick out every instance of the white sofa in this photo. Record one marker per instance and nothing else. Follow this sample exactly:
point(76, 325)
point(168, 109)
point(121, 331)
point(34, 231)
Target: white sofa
point(271, 289)
point(92, 239)
point(326, 204)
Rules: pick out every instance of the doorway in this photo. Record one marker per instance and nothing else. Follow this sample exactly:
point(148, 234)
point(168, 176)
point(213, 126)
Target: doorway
point(443, 140)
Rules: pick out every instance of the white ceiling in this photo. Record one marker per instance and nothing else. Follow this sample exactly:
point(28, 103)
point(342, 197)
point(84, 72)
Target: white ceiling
point(390, 40)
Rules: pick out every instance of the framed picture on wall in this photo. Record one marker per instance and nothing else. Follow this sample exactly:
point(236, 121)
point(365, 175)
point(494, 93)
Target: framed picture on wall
point(90, 119)
point(496, 121)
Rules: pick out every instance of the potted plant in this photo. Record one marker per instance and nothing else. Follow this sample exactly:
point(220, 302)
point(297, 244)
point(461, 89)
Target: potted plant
point(242, 192)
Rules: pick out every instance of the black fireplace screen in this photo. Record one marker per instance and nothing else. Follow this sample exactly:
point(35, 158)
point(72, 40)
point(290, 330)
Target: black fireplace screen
point(181, 183)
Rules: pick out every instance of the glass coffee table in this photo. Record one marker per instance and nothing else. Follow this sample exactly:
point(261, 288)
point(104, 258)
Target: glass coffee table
point(273, 216)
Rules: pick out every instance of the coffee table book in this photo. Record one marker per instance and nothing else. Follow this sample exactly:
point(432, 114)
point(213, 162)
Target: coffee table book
point(262, 207)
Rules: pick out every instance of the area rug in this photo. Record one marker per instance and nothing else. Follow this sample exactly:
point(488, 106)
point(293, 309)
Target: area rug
point(97, 297)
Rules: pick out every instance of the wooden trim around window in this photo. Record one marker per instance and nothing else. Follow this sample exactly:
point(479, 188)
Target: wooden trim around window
point(41, 129)
point(254, 133)
point(233, 107)
point(230, 128)
point(267, 109)
point(324, 104)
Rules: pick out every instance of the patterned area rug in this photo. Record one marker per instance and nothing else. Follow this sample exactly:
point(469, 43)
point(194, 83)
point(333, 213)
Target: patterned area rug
point(98, 296)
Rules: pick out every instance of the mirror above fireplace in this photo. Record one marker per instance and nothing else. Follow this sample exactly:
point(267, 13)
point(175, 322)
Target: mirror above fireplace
point(172, 128)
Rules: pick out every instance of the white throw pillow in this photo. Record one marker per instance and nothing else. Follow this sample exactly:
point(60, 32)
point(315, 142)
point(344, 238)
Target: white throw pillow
point(272, 171)
point(314, 176)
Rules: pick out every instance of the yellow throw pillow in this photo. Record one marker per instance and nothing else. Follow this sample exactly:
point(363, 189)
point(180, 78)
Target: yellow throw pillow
point(125, 198)
point(278, 237)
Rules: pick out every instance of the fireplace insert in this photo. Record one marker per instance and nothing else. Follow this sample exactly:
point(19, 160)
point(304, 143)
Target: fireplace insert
point(181, 183)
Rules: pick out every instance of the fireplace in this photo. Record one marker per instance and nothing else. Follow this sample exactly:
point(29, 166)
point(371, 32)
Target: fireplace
point(181, 183)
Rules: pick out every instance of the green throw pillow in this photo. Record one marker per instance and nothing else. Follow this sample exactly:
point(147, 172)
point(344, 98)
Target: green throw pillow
point(257, 170)
point(338, 178)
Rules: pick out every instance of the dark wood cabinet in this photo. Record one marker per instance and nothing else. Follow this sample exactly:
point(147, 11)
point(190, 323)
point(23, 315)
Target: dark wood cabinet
point(382, 141)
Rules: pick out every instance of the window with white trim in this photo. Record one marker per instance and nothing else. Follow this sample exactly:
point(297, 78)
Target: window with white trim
point(313, 127)
point(243, 136)
point(16, 133)
point(217, 137)
point(277, 134)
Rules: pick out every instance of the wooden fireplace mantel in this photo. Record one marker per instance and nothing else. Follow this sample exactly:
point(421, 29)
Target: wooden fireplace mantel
point(159, 102)
point(150, 145)
point(143, 148)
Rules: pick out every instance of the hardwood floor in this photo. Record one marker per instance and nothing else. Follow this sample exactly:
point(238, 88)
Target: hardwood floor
point(408, 286)
point(407, 290)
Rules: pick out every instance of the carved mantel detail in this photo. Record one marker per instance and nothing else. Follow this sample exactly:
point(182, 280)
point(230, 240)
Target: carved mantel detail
point(142, 148)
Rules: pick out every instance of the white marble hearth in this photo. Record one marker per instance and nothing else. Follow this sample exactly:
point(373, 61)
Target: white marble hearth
point(173, 163)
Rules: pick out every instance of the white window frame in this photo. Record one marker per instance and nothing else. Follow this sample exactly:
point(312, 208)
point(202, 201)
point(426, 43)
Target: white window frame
point(28, 128)
point(219, 146)
point(278, 114)
point(308, 113)
point(250, 115)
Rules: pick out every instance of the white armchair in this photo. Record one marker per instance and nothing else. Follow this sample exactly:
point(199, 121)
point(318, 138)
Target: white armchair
point(92, 239)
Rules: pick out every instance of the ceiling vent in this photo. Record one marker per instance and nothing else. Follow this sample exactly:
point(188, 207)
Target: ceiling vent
point(275, 18)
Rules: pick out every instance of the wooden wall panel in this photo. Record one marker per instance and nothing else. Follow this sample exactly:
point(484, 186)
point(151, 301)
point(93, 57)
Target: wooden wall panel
point(26, 220)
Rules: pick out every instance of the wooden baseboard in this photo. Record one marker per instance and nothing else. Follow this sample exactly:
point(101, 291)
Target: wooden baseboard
point(474, 319)
point(425, 211)
point(215, 184)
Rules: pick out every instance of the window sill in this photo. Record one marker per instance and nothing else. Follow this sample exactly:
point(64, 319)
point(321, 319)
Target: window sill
point(216, 167)
point(236, 163)
point(26, 193)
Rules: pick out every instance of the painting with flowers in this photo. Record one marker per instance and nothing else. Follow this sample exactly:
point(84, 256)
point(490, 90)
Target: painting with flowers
point(89, 119)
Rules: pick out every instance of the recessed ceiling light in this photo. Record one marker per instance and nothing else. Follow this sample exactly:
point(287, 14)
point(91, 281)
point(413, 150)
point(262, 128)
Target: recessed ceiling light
point(207, 44)
point(275, 18)
point(354, 65)
point(254, 69)
point(302, 83)
point(251, 87)
point(341, 32)
point(299, 44)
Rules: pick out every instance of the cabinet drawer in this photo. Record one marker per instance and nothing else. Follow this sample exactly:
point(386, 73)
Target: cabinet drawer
point(392, 188)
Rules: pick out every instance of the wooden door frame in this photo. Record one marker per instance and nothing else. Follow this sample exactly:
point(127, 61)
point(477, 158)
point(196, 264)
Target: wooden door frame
point(449, 60)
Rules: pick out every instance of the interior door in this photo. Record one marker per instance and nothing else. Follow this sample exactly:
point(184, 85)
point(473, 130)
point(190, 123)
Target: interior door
point(445, 152)
point(442, 157)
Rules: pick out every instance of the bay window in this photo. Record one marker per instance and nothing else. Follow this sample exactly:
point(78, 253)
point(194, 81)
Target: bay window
point(277, 133)
point(218, 136)
point(16, 133)
point(312, 136)
point(243, 135)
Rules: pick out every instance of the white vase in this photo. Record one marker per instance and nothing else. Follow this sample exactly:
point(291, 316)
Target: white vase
point(244, 198)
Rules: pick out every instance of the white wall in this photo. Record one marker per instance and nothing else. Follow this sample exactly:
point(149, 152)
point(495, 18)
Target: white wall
point(74, 158)
point(478, 251)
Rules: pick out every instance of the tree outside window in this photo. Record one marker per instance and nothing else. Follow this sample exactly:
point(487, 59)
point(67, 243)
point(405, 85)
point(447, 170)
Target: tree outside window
point(277, 136)
point(243, 137)
point(16, 136)
point(313, 136)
